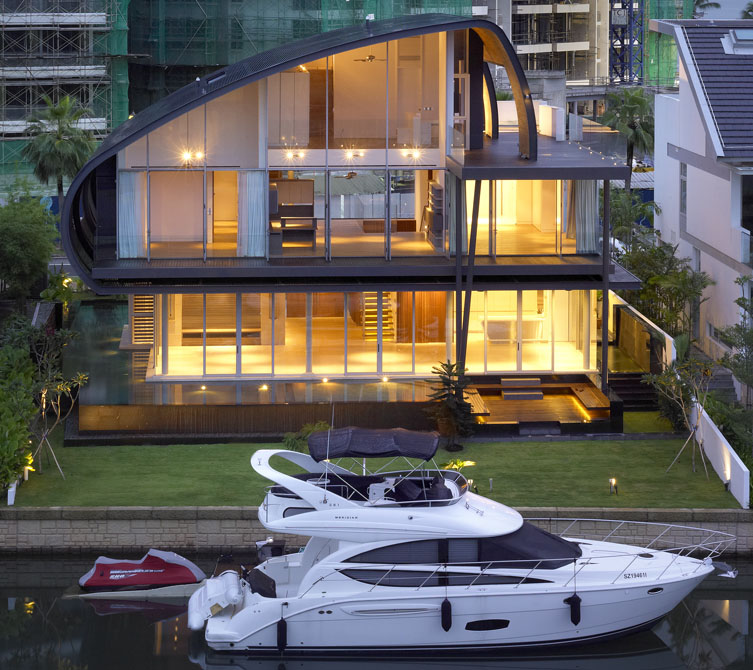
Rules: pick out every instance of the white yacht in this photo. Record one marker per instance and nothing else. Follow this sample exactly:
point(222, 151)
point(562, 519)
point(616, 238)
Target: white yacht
point(412, 560)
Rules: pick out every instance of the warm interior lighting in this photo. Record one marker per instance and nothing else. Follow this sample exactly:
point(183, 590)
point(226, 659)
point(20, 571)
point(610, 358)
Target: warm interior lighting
point(325, 380)
point(385, 379)
point(199, 155)
point(349, 155)
point(203, 388)
point(264, 387)
point(186, 156)
point(289, 155)
point(302, 68)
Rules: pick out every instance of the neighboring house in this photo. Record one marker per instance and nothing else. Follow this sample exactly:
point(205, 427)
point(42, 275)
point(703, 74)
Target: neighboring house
point(704, 163)
point(291, 221)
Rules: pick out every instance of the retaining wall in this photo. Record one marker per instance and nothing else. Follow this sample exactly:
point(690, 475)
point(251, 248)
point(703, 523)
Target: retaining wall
point(130, 530)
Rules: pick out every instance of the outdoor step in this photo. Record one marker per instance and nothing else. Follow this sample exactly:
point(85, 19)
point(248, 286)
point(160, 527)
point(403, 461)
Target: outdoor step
point(519, 382)
point(520, 394)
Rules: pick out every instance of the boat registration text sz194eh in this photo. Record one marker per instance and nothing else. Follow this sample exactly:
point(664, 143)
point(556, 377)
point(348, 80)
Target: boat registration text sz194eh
point(412, 560)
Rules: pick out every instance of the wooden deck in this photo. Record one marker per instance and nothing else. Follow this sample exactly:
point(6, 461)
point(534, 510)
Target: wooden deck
point(551, 408)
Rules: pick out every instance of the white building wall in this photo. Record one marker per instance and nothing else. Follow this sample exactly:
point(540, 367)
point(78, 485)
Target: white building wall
point(713, 208)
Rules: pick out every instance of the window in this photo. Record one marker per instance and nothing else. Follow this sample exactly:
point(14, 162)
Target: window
point(683, 189)
point(424, 552)
point(416, 578)
point(521, 549)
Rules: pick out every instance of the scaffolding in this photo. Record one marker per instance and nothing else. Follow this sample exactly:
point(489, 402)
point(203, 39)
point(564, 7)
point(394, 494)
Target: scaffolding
point(640, 57)
point(175, 41)
point(59, 48)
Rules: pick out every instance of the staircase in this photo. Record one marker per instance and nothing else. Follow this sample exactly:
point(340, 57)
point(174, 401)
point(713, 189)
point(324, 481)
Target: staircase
point(722, 384)
point(370, 316)
point(142, 320)
point(635, 395)
point(521, 388)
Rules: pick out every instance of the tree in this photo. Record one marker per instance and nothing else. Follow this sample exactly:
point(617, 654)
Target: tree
point(740, 338)
point(747, 12)
point(700, 6)
point(59, 146)
point(629, 112)
point(55, 393)
point(685, 383)
point(671, 291)
point(449, 408)
point(17, 410)
point(626, 210)
point(27, 232)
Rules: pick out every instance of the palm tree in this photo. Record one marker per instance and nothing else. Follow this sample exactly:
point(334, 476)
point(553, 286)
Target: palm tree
point(700, 6)
point(59, 146)
point(747, 13)
point(629, 112)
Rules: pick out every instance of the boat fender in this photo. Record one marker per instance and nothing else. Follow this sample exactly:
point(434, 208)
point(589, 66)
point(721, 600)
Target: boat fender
point(282, 634)
point(446, 615)
point(574, 602)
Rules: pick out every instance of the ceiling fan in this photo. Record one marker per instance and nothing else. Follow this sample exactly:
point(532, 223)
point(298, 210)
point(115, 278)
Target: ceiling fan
point(369, 59)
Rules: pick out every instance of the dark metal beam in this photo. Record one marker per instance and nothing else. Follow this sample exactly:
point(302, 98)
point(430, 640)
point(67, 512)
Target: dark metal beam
point(458, 204)
point(605, 234)
point(463, 337)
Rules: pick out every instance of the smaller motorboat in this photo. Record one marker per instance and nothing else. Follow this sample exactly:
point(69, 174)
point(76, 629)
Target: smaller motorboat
point(157, 575)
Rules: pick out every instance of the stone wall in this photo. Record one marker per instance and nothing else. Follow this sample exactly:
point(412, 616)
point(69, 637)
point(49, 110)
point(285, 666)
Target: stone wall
point(222, 529)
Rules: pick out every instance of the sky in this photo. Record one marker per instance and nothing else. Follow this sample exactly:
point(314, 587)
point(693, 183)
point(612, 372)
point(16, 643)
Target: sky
point(730, 9)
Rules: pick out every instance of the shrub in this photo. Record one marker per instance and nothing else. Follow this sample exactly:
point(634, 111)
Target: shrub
point(299, 441)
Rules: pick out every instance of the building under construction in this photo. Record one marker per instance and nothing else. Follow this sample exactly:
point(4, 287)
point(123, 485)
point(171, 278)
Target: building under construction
point(56, 48)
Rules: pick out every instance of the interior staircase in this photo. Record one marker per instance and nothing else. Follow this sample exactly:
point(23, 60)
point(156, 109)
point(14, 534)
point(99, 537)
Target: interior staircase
point(142, 324)
point(370, 320)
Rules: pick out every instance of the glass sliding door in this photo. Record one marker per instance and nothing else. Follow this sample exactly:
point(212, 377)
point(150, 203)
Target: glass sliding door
point(501, 323)
point(432, 329)
point(362, 323)
point(536, 330)
point(256, 333)
point(397, 332)
point(221, 345)
point(292, 356)
point(358, 211)
point(185, 356)
point(327, 334)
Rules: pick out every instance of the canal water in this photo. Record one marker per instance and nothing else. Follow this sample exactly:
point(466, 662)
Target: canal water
point(42, 630)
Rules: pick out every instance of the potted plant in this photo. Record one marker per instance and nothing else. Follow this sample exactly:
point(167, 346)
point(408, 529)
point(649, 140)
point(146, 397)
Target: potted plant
point(449, 408)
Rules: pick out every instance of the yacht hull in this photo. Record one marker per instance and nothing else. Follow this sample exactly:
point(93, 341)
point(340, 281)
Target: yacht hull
point(415, 622)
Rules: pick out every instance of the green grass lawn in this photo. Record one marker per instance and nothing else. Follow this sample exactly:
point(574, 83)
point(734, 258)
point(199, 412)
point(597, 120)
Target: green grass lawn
point(646, 422)
point(524, 474)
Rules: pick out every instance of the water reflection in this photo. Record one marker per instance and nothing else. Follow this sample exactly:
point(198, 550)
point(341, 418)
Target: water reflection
point(41, 630)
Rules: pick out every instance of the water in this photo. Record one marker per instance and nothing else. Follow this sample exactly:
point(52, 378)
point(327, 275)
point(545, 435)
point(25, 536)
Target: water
point(711, 630)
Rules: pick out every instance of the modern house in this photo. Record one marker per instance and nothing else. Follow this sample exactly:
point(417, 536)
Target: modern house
point(704, 163)
point(328, 220)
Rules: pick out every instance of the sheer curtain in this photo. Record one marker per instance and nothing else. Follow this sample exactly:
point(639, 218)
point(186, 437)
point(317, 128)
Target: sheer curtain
point(131, 214)
point(583, 215)
point(252, 213)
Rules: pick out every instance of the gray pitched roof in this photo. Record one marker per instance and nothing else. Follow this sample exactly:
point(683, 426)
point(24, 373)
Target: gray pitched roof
point(723, 83)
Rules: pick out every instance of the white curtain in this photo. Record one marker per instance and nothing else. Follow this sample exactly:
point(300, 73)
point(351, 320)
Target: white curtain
point(252, 213)
point(583, 215)
point(131, 214)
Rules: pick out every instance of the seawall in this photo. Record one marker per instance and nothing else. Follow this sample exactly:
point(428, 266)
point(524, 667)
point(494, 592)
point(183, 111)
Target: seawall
point(129, 530)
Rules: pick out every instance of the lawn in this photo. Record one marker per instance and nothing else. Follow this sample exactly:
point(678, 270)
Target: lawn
point(645, 422)
point(523, 474)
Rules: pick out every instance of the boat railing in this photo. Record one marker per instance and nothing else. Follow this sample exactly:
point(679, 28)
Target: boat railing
point(649, 535)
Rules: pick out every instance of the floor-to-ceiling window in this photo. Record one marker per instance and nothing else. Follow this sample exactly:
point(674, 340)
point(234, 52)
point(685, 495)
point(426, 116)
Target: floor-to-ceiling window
point(371, 333)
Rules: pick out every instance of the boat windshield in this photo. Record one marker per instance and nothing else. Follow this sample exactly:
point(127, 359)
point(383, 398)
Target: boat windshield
point(524, 548)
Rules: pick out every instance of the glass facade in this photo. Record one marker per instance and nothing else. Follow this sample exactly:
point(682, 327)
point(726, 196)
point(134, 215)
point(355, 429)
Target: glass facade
point(369, 334)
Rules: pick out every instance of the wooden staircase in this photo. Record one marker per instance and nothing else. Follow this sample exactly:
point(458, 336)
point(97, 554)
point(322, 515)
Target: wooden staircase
point(142, 320)
point(370, 316)
point(521, 388)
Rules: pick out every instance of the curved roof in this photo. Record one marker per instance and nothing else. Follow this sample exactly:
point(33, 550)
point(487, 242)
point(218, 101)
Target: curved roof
point(497, 49)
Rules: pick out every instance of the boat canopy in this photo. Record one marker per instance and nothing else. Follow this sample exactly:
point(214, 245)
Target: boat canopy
point(369, 443)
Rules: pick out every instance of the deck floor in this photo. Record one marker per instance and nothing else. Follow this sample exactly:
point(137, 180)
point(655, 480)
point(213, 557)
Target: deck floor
point(551, 408)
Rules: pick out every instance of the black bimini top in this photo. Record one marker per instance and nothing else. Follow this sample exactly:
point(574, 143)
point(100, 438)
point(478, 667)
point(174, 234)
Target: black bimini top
point(369, 443)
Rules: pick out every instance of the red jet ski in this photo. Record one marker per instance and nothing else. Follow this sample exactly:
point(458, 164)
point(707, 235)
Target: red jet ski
point(158, 574)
